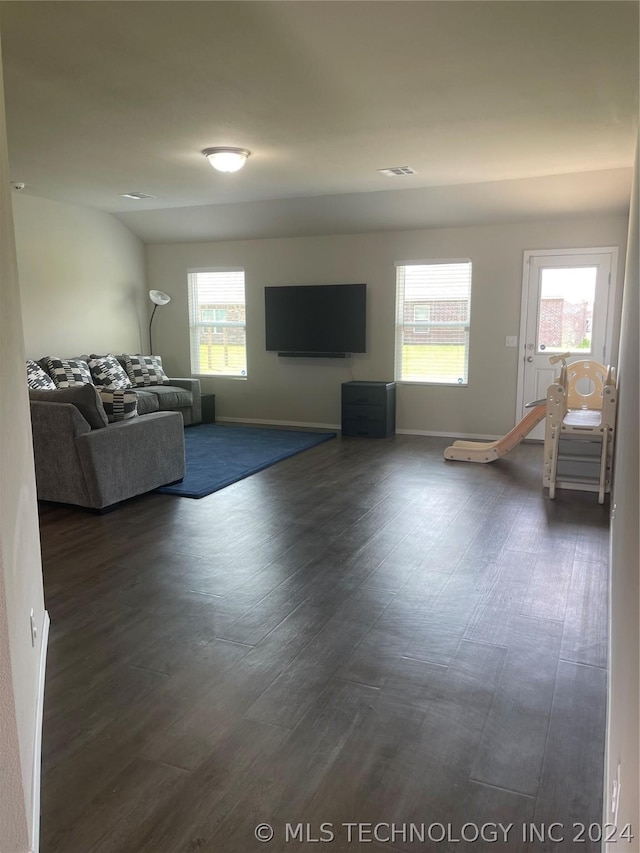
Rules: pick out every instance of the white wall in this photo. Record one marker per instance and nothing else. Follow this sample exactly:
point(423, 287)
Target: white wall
point(82, 280)
point(20, 569)
point(289, 390)
point(624, 663)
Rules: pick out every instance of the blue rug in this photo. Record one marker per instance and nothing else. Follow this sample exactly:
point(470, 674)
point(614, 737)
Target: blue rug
point(217, 456)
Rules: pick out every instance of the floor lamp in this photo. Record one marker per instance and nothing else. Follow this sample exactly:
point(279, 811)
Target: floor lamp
point(158, 298)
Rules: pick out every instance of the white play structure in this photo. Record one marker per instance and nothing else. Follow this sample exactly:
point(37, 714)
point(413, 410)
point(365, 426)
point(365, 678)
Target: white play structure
point(488, 451)
point(580, 416)
point(580, 428)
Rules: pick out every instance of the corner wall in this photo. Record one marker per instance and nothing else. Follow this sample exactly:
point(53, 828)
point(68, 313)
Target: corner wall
point(278, 390)
point(20, 567)
point(624, 650)
point(82, 280)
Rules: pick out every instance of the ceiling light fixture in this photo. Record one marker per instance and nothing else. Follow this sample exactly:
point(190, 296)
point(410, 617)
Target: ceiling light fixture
point(227, 159)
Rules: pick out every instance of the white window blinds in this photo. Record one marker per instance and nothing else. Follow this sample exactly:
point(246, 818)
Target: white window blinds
point(432, 321)
point(217, 323)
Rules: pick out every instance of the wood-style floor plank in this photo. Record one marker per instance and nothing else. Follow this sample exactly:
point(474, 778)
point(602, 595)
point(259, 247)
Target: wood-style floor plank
point(209, 794)
point(575, 750)
point(363, 633)
point(286, 700)
point(585, 625)
point(512, 749)
point(142, 788)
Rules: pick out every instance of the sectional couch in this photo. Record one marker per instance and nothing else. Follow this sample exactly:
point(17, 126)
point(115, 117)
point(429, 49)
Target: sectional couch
point(85, 458)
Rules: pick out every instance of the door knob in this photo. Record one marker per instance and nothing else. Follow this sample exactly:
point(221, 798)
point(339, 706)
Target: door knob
point(529, 358)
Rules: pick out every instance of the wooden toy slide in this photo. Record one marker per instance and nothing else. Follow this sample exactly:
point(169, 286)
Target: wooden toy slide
point(488, 451)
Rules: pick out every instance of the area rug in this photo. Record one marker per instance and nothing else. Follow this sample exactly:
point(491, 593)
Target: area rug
point(217, 456)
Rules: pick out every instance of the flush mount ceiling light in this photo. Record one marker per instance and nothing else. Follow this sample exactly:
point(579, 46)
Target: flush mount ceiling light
point(227, 159)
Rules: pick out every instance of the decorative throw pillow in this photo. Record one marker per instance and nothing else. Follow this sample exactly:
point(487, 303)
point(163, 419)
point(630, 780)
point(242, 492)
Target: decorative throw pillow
point(84, 397)
point(120, 404)
point(67, 372)
point(145, 370)
point(107, 372)
point(37, 378)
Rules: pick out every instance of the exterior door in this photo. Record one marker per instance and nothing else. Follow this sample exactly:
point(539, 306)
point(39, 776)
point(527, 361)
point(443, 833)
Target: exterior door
point(566, 307)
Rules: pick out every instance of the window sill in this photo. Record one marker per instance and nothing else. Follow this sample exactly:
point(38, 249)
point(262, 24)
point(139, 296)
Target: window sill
point(219, 376)
point(432, 384)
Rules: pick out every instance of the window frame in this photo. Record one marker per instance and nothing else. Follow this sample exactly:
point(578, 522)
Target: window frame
point(401, 324)
point(216, 325)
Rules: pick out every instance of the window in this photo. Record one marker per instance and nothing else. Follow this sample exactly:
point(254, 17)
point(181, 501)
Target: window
point(217, 322)
point(432, 322)
point(567, 299)
point(212, 314)
point(422, 311)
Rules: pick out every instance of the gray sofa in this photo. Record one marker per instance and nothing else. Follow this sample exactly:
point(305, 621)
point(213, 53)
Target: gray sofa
point(98, 467)
point(82, 459)
point(182, 395)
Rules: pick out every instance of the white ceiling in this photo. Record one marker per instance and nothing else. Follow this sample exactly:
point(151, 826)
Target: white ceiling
point(504, 109)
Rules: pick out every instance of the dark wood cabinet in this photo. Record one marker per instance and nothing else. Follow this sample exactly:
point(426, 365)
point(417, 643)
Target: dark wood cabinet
point(369, 408)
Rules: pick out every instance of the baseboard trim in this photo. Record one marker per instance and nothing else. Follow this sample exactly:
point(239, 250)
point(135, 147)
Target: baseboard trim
point(436, 434)
point(37, 747)
point(268, 422)
point(479, 436)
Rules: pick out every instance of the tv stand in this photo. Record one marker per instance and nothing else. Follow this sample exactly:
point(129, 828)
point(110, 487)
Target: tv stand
point(315, 354)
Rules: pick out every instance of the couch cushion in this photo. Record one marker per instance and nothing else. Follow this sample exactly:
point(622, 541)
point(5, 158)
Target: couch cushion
point(120, 404)
point(147, 401)
point(171, 397)
point(108, 373)
point(37, 378)
point(67, 372)
point(84, 397)
point(145, 370)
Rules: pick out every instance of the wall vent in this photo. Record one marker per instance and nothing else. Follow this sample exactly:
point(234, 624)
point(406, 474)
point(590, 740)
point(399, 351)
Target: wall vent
point(397, 171)
point(137, 196)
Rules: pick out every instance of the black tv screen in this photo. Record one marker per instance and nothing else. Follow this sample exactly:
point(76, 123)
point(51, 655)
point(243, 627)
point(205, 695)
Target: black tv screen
point(317, 318)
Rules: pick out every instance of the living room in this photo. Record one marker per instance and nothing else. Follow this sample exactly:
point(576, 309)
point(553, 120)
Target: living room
point(86, 263)
point(62, 247)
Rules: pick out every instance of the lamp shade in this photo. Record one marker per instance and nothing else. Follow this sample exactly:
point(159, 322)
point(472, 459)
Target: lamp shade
point(227, 159)
point(158, 297)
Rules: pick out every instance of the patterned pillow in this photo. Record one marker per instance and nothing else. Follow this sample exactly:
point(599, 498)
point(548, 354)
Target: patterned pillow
point(67, 372)
point(145, 370)
point(37, 378)
point(120, 404)
point(107, 372)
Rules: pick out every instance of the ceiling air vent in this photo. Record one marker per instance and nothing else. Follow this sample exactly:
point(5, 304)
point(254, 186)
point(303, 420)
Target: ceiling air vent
point(396, 171)
point(137, 196)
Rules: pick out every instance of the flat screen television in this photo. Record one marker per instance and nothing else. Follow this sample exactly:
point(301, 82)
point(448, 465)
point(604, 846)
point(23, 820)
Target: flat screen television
point(316, 319)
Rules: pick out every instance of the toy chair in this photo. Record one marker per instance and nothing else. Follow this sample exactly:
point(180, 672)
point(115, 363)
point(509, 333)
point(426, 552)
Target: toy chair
point(580, 427)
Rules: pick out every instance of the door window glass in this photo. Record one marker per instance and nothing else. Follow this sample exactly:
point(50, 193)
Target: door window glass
point(565, 313)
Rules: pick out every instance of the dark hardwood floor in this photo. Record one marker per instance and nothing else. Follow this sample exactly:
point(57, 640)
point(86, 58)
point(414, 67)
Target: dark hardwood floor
point(362, 634)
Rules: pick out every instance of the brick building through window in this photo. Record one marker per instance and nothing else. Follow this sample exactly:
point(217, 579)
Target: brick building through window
point(565, 325)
